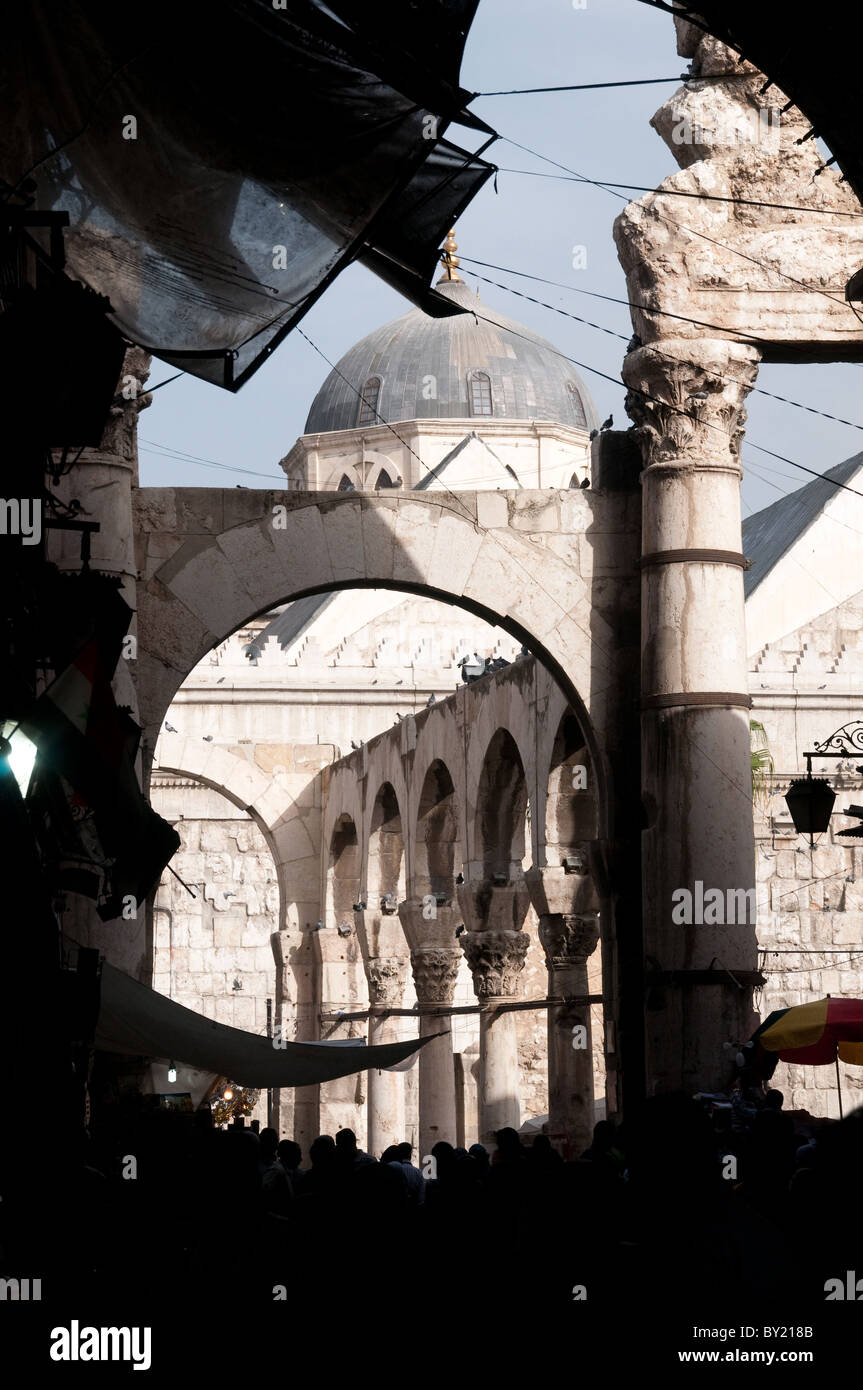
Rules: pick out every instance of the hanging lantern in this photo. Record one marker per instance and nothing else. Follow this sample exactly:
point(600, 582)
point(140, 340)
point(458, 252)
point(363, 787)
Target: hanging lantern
point(810, 802)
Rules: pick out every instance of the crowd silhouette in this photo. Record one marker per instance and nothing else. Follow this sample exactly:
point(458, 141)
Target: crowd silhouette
point(684, 1201)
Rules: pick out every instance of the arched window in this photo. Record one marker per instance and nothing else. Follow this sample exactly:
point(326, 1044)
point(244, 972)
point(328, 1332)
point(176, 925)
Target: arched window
point(346, 485)
point(369, 404)
point(577, 404)
point(479, 391)
point(384, 480)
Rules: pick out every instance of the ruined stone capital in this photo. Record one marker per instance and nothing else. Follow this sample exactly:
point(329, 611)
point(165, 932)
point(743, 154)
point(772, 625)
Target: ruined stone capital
point(496, 959)
point(435, 971)
point(489, 906)
point(387, 978)
point(686, 398)
point(567, 888)
point(568, 938)
point(428, 923)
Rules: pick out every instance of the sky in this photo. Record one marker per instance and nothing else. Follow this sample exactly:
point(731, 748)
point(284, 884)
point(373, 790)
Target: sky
point(530, 224)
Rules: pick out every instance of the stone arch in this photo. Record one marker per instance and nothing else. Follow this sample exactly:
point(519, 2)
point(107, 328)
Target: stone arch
point(246, 786)
point(343, 874)
point(570, 808)
point(502, 797)
point(233, 556)
point(385, 855)
point(437, 841)
point(385, 480)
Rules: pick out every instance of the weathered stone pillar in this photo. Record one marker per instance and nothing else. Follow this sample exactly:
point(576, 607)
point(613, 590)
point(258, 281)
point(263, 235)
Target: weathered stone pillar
point(568, 941)
point(495, 947)
point(567, 903)
point(386, 1109)
point(435, 971)
point(496, 959)
point(686, 397)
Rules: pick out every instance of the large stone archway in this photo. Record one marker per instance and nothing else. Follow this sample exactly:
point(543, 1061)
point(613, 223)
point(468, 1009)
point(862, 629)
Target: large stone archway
point(557, 569)
point(210, 559)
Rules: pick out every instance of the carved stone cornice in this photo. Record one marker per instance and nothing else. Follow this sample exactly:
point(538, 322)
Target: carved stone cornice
point(387, 977)
point(496, 959)
point(435, 971)
point(568, 939)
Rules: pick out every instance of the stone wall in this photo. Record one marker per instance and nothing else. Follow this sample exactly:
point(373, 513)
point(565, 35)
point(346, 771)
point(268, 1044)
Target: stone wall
point(212, 953)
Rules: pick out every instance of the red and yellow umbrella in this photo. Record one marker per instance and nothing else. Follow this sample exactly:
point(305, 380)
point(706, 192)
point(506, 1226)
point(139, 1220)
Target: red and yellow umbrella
point(816, 1034)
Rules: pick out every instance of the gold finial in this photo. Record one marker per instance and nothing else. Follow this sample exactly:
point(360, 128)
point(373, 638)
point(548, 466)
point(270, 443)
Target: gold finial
point(449, 259)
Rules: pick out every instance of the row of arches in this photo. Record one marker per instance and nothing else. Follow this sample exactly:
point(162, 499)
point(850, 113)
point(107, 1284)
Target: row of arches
point(454, 847)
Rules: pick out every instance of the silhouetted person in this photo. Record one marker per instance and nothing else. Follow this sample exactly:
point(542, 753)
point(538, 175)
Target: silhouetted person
point(350, 1155)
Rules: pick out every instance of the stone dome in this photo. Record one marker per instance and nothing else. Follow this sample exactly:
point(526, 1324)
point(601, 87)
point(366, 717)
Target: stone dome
point(461, 367)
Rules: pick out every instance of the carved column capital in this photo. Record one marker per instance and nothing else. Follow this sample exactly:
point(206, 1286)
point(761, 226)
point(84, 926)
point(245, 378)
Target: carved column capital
point(568, 939)
point(686, 397)
point(435, 971)
point(387, 977)
point(496, 959)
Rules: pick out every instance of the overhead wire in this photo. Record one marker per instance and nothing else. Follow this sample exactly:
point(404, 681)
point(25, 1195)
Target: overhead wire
point(683, 193)
point(464, 261)
point(607, 188)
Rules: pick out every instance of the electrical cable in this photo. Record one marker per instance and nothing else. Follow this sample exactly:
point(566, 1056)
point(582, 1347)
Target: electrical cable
point(583, 86)
point(753, 260)
point(683, 193)
point(699, 323)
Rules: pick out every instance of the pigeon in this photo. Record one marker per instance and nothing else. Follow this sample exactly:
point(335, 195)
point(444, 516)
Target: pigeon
point(459, 878)
point(430, 701)
point(208, 738)
point(354, 745)
point(219, 681)
point(584, 483)
point(698, 396)
point(592, 435)
point(170, 728)
point(398, 719)
point(606, 424)
point(459, 930)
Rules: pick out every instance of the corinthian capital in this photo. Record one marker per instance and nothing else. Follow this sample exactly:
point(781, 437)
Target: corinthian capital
point(435, 971)
point(496, 959)
point(686, 397)
point(568, 939)
point(387, 977)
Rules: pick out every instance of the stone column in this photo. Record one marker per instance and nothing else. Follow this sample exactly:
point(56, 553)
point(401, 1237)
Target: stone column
point(568, 941)
point(567, 904)
point(496, 959)
point(495, 947)
point(386, 1109)
point(435, 971)
point(686, 397)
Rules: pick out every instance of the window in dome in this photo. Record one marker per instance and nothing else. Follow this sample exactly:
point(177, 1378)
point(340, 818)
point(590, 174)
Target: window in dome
point(369, 404)
point(384, 480)
point(346, 485)
point(479, 386)
point(577, 404)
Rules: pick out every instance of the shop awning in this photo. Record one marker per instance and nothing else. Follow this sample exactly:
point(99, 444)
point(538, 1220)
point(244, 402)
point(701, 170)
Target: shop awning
point(220, 167)
point(137, 1021)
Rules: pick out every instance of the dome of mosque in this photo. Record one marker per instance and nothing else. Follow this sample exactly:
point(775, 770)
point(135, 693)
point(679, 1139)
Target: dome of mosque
point(470, 364)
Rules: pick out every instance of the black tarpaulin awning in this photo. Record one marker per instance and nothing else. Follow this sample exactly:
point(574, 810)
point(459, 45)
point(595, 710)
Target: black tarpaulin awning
point(139, 1022)
point(221, 166)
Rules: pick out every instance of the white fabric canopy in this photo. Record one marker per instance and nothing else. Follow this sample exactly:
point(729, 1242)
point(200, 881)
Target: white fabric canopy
point(141, 1023)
